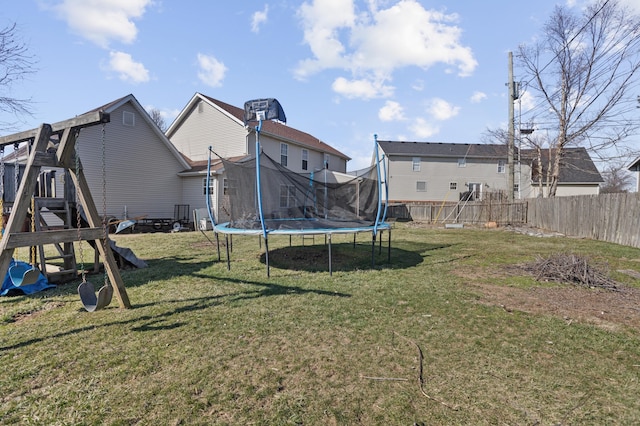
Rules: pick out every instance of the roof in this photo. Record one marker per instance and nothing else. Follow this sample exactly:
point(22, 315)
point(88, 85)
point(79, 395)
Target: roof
point(576, 165)
point(272, 128)
point(442, 149)
point(113, 105)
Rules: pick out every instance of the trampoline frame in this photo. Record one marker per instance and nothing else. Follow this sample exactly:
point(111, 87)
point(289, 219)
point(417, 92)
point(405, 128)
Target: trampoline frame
point(377, 229)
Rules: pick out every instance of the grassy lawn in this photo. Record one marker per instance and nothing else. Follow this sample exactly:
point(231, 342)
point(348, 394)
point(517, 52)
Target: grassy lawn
point(204, 345)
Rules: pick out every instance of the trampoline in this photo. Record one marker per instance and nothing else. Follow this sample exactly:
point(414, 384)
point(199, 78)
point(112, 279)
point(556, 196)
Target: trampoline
point(264, 198)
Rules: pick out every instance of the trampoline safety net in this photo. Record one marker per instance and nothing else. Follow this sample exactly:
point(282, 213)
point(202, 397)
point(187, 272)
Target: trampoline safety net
point(322, 199)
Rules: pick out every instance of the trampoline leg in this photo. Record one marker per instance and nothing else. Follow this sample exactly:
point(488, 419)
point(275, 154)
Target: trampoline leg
point(266, 256)
point(330, 266)
point(231, 242)
point(218, 245)
point(354, 240)
point(290, 241)
point(380, 243)
point(389, 248)
point(226, 237)
point(373, 251)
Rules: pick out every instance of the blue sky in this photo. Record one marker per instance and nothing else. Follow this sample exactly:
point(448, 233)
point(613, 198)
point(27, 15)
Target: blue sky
point(343, 70)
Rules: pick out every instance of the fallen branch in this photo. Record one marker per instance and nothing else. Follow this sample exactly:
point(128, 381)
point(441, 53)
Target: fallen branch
point(420, 377)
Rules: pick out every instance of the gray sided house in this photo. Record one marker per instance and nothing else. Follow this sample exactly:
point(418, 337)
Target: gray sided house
point(437, 172)
point(141, 164)
point(206, 122)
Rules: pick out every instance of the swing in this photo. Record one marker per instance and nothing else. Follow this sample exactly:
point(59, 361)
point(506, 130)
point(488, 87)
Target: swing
point(23, 273)
point(86, 290)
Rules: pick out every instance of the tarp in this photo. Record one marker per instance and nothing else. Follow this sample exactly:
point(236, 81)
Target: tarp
point(9, 289)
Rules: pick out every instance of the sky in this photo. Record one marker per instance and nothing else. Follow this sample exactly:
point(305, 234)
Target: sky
point(343, 70)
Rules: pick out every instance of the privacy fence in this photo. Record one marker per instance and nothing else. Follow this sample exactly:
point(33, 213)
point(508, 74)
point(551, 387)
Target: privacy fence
point(607, 217)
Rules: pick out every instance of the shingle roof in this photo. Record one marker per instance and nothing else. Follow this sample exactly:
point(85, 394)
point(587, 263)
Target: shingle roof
point(442, 149)
point(281, 130)
point(576, 165)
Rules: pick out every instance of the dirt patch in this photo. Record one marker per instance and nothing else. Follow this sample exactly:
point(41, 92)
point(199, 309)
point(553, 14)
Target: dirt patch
point(23, 316)
point(605, 308)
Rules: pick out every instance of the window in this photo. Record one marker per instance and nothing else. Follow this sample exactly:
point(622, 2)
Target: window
point(415, 164)
point(421, 186)
point(305, 159)
point(204, 186)
point(128, 118)
point(453, 186)
point(284, 154)
point(200, 107)
point(462, 162)
point(326, 161)
point(501, 168)
point(225, 186)
point(287, 196)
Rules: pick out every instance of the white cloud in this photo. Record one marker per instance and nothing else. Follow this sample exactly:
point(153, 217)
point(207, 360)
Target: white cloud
point(211, 71)
point(391, 111)
point(442, 110)
point(363, 88)
point(478, 97)
point(376, 42)
point(422, 129)
point(259, 18)
point(127, 69)
point(102, 21)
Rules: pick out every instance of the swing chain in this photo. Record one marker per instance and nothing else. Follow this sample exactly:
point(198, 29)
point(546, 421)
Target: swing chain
point(78, 217)
point(2, 188)
point(104, 200)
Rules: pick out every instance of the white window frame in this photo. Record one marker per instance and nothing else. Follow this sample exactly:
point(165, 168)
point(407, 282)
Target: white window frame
point(211, 186)
point(128, 119)
point(419, 184)
point(502, 166)
point(462, 162)
point(453, 186)
point(287, 196)
point(225, 186)
point(326, 161)
point(415, 164)
point(284, 154)
point(305, 159)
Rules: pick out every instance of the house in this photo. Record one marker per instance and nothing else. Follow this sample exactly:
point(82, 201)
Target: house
point(140, 168)
point(578, 174)
point(207, 122)
point(635, 167)
point(437, 172)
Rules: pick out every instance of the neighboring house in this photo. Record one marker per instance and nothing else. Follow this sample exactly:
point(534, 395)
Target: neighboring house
point(436, 172)
point(635, 167)
point(206, 122)
point(141, 164)
point(578, 174)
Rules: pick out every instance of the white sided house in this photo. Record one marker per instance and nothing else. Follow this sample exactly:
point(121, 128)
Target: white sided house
point(206, 122)
point(437, 172)
point(141, 166)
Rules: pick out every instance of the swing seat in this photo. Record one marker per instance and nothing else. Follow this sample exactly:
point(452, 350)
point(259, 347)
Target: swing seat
point(23, 274)
point(92, 301)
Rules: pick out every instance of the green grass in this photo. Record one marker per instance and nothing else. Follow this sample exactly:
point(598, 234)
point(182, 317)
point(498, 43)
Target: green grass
point(204, 345)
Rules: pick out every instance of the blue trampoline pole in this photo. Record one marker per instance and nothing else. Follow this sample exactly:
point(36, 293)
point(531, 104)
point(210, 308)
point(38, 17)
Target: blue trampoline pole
point(259, 197)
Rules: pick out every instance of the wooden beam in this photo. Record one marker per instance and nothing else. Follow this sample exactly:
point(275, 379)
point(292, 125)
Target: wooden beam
point(29, 239)
point(86, 120)
point(23, 198)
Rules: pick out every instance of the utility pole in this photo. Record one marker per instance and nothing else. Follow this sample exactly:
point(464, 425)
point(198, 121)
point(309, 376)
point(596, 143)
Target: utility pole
point(510, 142)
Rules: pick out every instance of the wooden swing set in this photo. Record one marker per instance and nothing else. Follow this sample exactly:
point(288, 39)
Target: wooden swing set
point(64, 156)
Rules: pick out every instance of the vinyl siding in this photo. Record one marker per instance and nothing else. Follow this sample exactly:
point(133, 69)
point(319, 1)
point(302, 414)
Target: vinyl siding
point(207, 126)
point(141, 170)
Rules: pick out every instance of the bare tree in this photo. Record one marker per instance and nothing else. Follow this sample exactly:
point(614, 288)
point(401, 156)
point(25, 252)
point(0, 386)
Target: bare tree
point(156, 117)
point(582, 72)
point(15, 64)
point(616, 179)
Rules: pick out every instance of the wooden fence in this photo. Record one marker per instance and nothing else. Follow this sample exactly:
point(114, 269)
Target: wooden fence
point(472, 212)
point(607, 217)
